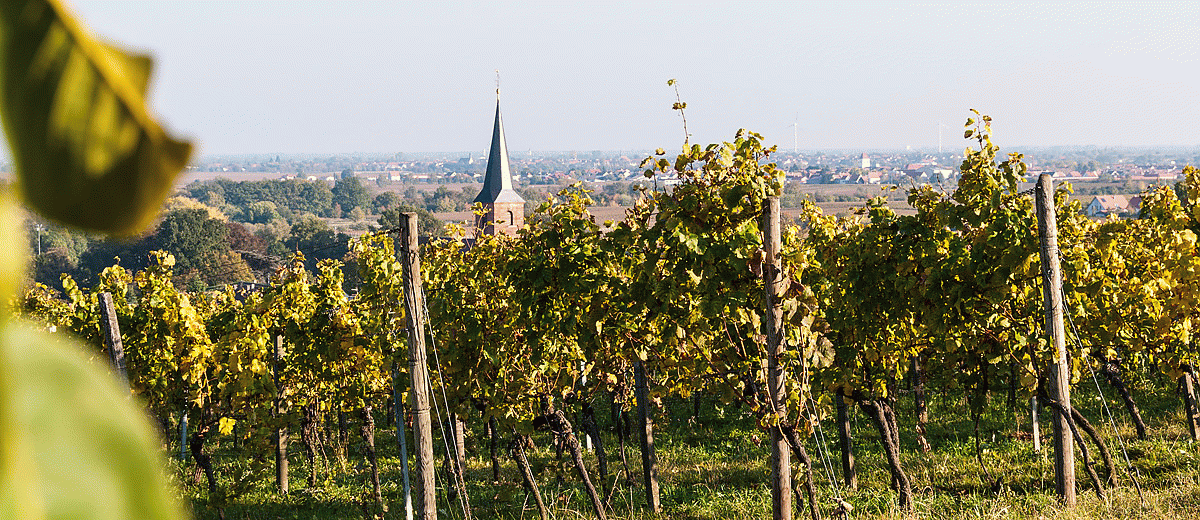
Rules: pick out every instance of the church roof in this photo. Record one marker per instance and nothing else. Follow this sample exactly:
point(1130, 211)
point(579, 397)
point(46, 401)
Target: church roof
point(497, 182)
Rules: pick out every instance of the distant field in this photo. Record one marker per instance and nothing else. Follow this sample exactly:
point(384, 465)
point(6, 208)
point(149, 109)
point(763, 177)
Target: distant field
point(187, 177)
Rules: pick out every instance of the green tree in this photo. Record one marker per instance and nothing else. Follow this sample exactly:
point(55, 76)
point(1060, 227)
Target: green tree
point(349, 193)
point(260, 212)
point(427, 224)
point(196, 240)
point(290, 197)
point(385, 201)
point(317, 241)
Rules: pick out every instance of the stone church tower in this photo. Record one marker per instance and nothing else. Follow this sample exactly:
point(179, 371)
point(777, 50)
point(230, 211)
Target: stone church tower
point(505, 207)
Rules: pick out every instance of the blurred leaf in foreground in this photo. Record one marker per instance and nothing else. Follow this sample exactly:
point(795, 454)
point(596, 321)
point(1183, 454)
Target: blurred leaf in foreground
point(86, 151)
point(74, 445)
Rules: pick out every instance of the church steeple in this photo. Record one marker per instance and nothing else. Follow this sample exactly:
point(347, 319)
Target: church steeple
point(505, 207)
point(497, 182)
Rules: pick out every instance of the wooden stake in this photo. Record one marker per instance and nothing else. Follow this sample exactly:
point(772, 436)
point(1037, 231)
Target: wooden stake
point(1187, 385)
point(918, 373)
point(281, 434)
point(646, 435)
point(1059, 376)
point(781, 455)
point(111, 330)
point(414, 302)
point(846, 443)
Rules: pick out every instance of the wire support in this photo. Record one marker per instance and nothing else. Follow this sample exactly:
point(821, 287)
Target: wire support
point(460, 482)
point(821, 439)
point(445, 443)
point(1130, 469)
point(822, 445)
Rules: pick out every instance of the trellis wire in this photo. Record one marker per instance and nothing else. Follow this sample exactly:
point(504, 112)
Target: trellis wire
point(1130, 469)
point(821, 440)
point(460, 482)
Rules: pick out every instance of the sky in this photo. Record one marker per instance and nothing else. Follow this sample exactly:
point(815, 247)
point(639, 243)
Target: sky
point(241, 77)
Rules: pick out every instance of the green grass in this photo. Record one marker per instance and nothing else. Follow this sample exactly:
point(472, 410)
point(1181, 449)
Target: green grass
point(718, 468)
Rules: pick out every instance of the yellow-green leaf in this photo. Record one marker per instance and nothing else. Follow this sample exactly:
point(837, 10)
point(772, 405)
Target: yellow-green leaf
point(86, 150)
point(12, 254)
point(226, 424)
point(74, 445)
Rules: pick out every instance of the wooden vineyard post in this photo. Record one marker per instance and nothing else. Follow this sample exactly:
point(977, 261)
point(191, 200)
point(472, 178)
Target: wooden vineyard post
point(1187, 385)
point(281, 434)
point(1059, 377)
point(414, 303)
point(781, 455)
point(111, 330)
point(646, 435)
point(846, 443)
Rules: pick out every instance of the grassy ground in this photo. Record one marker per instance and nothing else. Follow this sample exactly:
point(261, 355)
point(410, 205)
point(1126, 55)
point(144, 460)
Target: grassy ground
point(717, 467)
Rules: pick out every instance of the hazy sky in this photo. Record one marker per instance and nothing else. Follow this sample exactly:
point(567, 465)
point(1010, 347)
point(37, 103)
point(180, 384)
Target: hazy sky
point(350, 76)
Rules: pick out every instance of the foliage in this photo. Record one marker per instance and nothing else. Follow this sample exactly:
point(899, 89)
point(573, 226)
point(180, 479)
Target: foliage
point(519, 323)
point(88, 155)
point(87, 152)
point(200, 244)
point(290, 197)
point(427, 224)
point(385, 201)
point(349, 194)
point(314, 237)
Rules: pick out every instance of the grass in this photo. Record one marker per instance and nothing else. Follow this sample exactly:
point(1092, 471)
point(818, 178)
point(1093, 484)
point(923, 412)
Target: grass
point(718, 468)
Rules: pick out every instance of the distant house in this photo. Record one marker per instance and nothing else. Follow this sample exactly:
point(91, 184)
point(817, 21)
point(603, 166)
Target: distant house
point(800, 177)
point(918, 176)
point(920, 172)
point(1107, 205)
point(867, 178)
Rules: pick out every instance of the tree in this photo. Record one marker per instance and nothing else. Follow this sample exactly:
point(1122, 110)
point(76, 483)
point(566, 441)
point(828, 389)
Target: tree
point(427, 224)
point(349, 193)
point(386, 200)
point(260, 212)
point(241, 239)
point(445, 200)
point(50, 265)
point(199, 243)
point(290, 196)
point(317, 241)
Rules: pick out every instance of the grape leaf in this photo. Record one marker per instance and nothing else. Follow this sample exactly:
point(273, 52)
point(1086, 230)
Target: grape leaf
point(86, 150)
point(73, 443)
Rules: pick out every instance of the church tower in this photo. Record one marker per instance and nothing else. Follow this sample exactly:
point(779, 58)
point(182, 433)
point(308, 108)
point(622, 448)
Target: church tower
point(505, 209)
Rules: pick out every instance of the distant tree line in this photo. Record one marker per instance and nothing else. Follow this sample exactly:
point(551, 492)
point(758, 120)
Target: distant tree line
point(223, 231)
point(208, 249)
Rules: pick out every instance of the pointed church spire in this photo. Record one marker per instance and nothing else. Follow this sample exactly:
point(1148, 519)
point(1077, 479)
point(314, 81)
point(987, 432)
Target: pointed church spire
point(497, 182)
point(505, 209)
